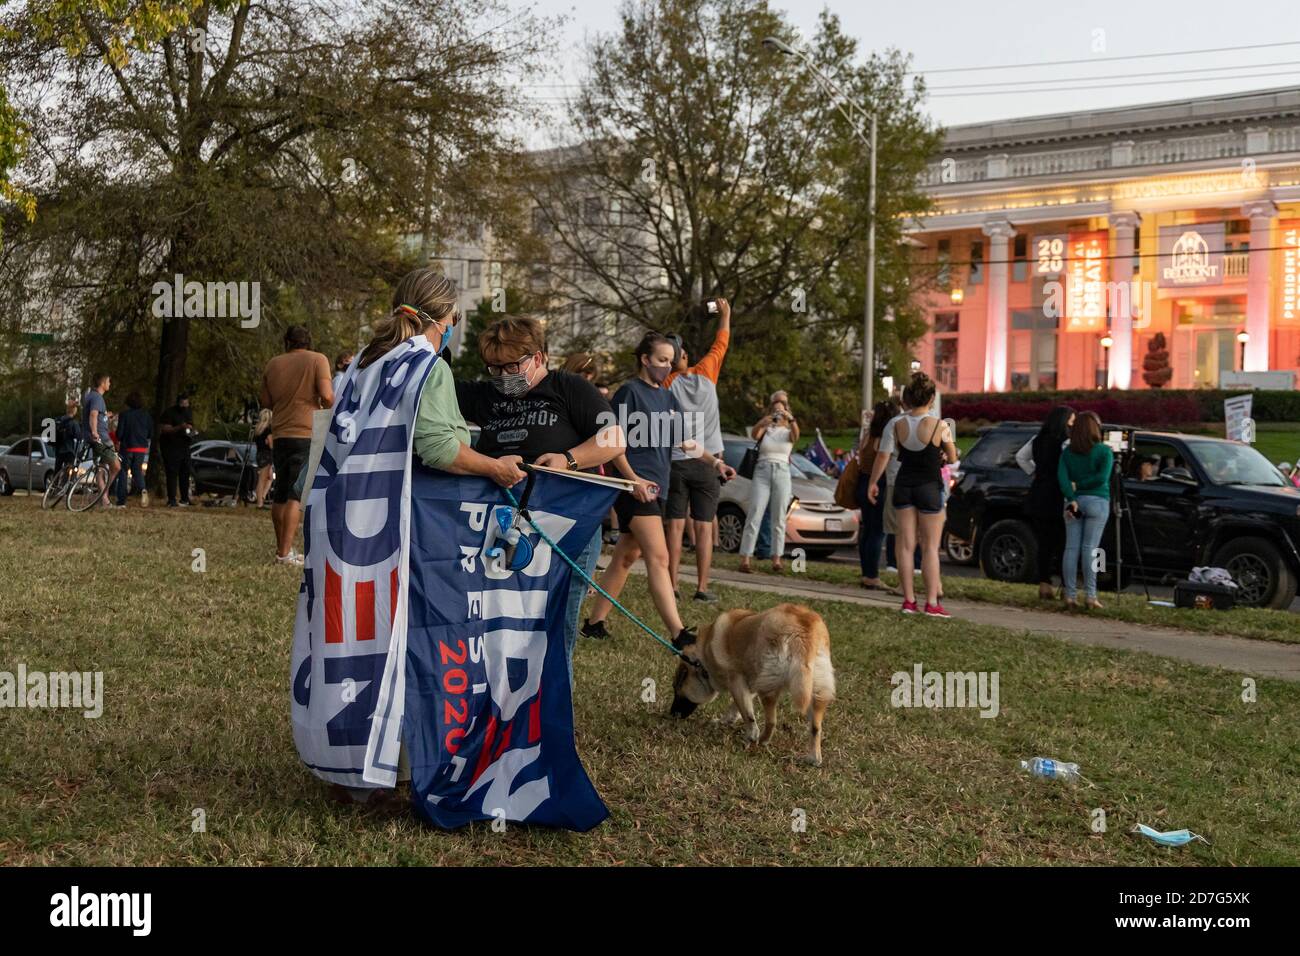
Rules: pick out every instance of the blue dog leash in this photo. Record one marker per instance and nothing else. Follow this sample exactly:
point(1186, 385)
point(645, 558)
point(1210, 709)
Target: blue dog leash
point(523, 512)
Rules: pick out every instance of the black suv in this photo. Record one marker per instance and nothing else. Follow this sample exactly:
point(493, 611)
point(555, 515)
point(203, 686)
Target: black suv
point(1211, 502)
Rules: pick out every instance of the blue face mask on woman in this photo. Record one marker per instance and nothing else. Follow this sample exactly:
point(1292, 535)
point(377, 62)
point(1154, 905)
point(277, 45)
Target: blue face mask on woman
point(446, 338)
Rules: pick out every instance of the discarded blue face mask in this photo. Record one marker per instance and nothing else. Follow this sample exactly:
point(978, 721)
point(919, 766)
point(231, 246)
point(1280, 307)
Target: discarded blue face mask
point(1170, 837)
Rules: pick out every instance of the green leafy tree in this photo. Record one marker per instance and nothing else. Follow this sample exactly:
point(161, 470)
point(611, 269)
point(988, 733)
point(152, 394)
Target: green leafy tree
point(700, 163)
point(287, 144)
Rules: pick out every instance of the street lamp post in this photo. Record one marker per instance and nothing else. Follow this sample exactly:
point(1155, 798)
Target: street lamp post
point(869, 140)
point(1244, 338)
point(1106, 343)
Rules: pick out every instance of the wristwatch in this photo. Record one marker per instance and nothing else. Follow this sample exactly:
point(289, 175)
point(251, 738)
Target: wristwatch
point(573, 462)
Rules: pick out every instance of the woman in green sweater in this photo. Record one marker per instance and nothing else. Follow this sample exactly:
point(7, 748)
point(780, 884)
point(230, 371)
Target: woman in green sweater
point(1084, 475)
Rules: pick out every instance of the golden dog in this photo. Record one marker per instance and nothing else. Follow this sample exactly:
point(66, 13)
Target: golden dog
point(753, 653)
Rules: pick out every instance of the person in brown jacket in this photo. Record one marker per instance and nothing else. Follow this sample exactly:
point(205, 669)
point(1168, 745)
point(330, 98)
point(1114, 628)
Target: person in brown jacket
point(294, 385)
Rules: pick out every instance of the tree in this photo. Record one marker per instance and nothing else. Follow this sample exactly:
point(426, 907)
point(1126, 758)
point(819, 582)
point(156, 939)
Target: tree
point(1155, 364)
point(285, 146)
point(13, 141)
point(697, 163)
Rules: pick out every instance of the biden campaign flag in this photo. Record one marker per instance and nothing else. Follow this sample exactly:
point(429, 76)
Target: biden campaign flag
point(431, 619)
point(348, 664)
point(489, 718)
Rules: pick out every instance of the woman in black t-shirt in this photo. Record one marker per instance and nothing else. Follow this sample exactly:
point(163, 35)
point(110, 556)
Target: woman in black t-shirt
point(548, 418)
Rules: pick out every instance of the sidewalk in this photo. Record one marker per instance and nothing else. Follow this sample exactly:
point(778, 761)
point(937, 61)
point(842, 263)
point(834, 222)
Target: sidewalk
point(1253, 657)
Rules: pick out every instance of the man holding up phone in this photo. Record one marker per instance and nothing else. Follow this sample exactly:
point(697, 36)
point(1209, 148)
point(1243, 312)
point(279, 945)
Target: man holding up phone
point(694, 485)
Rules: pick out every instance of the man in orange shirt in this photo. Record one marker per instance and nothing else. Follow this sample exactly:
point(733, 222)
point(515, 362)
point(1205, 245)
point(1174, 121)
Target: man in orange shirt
point(694, 485)
point(294, 385)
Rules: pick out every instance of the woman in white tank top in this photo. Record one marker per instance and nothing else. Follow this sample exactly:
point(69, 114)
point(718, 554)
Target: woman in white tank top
point(776, 433)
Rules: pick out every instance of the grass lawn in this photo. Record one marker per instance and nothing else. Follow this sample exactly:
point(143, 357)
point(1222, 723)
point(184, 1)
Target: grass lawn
point(1258, 623)
point(196, 716)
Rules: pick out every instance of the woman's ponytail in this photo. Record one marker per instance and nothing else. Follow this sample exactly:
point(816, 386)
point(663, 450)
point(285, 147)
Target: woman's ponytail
point(391, 331)
point(421, 298)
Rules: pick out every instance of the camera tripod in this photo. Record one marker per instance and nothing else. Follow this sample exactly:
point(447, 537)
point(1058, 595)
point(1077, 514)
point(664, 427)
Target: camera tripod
point(238, 496)
point(1120, 508)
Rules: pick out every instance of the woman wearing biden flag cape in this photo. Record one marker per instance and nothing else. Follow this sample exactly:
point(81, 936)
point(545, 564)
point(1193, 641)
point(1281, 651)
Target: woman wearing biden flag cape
point(427, 642)
point(398, 397)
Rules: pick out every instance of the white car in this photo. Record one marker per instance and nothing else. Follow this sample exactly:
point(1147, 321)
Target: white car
point(814, 521)
point(26, 454)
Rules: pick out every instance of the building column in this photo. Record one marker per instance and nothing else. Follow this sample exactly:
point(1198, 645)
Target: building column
point(1258, 289)
point(1120, 372)
point(997, 341)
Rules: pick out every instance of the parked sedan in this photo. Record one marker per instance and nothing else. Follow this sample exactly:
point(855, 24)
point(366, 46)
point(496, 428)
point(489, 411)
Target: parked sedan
point(814, 522)
point(224, 468)
point(24, 454)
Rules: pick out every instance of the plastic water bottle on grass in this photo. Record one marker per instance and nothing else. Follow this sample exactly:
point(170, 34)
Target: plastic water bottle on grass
point(1052, 769)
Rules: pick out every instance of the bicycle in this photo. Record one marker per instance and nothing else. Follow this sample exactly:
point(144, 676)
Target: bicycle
point(61, 481)
point(88, 489)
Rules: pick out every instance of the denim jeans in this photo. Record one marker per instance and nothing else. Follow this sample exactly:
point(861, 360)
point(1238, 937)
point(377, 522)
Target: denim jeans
point(769, 492)
point(871, 532)
point(1082, 537)
point(577, 591)
point(133, 462)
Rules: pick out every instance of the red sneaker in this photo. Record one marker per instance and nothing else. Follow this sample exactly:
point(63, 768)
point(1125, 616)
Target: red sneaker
point(935, 610)
point(909, 607)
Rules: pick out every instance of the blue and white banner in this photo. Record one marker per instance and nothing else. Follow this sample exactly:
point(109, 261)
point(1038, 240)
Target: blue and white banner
point(489, 718)
point(349, 643)
point(410, 632)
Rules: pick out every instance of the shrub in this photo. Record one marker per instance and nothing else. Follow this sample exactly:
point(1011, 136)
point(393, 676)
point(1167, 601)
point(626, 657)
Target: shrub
point(1140, 407)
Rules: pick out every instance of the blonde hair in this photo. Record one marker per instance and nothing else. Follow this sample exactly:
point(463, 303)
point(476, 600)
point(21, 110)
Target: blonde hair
point(421, 298)
point(263, 421)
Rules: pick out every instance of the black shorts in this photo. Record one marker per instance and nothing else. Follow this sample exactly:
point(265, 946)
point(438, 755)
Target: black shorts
point(288, 455)
point(693, 481)
point(626, 508)
point(926, 497)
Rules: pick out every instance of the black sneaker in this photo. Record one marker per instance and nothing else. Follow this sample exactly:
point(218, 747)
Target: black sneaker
point(706, 597)
point(685, 638)
point(596, 631)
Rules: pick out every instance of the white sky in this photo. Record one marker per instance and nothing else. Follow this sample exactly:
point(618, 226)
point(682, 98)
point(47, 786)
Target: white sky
point(944, 34)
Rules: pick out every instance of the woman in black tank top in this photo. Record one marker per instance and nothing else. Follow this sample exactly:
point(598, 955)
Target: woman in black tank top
point(918, 497)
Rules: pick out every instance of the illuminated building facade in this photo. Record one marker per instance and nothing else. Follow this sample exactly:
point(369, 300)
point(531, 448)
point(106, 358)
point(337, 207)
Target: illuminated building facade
point(1067, 243)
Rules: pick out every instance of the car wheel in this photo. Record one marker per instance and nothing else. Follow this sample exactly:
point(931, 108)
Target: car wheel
point(1009, 552)
point(1263, 577)
point(6, 488)
point(958, 551)
point(731, 526)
